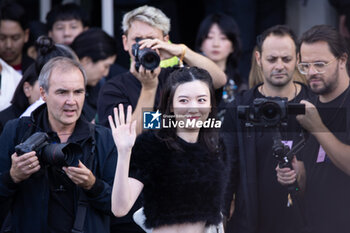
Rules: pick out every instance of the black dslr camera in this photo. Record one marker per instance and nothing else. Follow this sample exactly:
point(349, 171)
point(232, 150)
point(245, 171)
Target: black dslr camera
point(273, 112)
point(269, 112)
point(59, 154)
point(146, 57)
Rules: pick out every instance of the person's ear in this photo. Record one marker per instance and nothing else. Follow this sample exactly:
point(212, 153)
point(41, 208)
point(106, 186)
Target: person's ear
point(26, 35)
point(125, 43)
point(31, 52)
point(166, 38)
point(85, 61)
point(42, 93)
point(258, 58)
point(27, 89)
point(343, 60)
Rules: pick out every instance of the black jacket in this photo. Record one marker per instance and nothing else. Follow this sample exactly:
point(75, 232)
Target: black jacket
point(30, 197)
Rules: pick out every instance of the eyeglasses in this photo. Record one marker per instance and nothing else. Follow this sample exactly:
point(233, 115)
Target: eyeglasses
point(319, 66)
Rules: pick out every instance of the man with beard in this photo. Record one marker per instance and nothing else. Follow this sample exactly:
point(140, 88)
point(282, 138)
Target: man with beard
point(261, 203)
point(325, 167)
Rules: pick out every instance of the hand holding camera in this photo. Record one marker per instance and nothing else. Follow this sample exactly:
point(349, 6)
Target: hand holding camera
point(80, 175)
point(311, 121)
point(145, 65)
point(22, 167)
point(148, 78)
point(287, 175)
point(273, 112)
point(145, 54)
point(55, 154)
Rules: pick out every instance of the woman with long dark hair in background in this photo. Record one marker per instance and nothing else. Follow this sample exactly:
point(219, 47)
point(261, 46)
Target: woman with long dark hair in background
point(218, 39)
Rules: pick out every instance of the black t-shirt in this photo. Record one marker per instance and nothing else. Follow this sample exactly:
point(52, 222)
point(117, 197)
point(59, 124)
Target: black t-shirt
point(274, 215)
point(124, 88)
point(327, 193)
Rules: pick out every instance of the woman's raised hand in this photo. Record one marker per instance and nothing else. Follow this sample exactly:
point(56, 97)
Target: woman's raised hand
point(123, 131)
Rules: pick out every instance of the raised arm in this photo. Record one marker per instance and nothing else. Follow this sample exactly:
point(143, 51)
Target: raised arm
point(149, 84)
point(190, 57)
point(125, 189)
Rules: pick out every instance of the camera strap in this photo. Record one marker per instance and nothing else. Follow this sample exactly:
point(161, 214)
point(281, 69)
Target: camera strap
point(83, 204)
point(81, 213)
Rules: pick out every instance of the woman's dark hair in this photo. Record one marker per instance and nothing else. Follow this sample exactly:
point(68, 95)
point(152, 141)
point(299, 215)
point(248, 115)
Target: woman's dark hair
point(207, 136)
point(19, 99)
point(229, 27)
point(94, 43)
point(46, 50)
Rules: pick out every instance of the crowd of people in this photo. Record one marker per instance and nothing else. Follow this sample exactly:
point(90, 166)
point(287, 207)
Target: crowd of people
point(179, 142)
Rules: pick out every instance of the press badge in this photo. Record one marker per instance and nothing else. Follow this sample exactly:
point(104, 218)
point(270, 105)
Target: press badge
point(321, 155)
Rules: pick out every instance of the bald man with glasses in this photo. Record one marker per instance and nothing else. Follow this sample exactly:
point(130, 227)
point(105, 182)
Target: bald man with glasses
point(323, 166)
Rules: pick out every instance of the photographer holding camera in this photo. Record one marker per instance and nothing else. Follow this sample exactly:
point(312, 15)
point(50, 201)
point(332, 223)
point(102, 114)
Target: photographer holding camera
point(325, 159)
point(48, 194)
point(148, 28)
point(260, 202)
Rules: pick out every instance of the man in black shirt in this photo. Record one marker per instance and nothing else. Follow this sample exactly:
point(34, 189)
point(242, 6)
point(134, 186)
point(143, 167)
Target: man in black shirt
point(260, 201)
point(325, 161)
point(141, 89)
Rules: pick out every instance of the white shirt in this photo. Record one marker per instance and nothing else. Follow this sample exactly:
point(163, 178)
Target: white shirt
point(32, 107)
point(9, 81)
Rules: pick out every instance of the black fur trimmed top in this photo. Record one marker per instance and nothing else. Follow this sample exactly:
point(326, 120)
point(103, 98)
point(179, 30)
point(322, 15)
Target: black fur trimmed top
point(179, 187)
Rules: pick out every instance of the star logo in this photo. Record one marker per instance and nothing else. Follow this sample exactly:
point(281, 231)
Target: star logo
point(156, 116)
point(151, 120)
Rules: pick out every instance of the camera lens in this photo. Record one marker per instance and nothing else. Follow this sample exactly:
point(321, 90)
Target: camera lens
point(62, 154)
point(149, 58)
point(270, 111)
